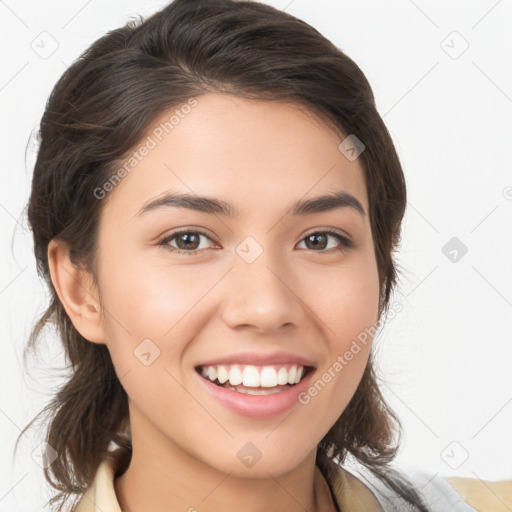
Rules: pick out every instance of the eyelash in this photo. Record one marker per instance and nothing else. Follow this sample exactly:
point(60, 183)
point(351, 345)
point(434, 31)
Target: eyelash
point(345, 242)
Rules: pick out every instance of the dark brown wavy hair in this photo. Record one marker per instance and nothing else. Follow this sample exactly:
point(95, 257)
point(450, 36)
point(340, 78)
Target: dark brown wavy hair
point(101, 108)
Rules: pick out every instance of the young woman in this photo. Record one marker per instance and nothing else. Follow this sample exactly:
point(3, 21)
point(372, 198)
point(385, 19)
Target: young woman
point(215, 205)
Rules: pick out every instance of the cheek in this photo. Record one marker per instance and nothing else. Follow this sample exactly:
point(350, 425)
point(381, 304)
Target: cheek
point(153, 309)
point(154, 299)
point(348, 313)
point(345, 300)
point(148, 311)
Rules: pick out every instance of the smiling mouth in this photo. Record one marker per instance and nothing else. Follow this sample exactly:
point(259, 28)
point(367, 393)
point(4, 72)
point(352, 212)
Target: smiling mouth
point(255, 380)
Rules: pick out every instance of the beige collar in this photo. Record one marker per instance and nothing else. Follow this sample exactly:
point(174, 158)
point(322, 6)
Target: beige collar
point(349, 492)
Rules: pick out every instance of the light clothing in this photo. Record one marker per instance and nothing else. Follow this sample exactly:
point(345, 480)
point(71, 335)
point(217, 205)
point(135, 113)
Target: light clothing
point(354, 489)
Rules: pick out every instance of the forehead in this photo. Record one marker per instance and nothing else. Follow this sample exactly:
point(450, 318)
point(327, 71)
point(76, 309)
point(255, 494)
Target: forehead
point(254, 154)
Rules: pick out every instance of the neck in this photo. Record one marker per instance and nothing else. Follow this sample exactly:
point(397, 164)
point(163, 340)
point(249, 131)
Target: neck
point(162, 477)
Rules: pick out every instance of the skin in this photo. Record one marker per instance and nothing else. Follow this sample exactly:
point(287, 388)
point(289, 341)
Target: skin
point(262, 157)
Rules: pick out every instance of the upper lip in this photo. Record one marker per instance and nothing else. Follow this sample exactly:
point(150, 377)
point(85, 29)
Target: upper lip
point(258, 359)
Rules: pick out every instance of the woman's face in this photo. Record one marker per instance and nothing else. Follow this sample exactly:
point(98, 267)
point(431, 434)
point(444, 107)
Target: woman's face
point(259, 284)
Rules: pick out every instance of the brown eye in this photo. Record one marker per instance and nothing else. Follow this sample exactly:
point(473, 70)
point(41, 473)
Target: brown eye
point(316, 241)
point(186, 242)
point(189, 242)
point(319, 241)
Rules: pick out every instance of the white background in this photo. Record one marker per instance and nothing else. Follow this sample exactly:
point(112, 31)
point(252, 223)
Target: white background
point(446, 357)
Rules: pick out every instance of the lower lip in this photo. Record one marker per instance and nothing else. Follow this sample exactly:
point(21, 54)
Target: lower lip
point(257, 406)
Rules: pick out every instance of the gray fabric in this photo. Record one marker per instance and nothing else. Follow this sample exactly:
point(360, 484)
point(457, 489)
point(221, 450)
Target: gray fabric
point(436, 492)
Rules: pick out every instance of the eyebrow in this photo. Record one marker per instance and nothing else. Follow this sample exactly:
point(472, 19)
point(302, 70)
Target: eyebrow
point(339, 199)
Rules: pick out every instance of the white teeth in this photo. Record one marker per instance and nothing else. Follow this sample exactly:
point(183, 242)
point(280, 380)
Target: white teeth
point(292, 373)
point(251, 376)
point(255, 391)
point(222, 374)
point(282, 376)
point(212, 373)
point(268, 377)
point(235, 376)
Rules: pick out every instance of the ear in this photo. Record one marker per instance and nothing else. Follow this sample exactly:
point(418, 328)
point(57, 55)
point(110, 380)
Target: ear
point(77, 293)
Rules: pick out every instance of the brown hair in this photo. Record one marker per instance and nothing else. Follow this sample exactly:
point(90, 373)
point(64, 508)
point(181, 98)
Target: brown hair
point(101, 108)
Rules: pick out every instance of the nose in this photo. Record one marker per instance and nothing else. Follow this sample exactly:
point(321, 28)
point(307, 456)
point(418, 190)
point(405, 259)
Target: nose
point(261, 296)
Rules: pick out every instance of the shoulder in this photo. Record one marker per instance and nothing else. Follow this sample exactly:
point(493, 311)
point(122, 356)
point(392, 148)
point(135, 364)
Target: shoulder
point(436, 491)
point(484, 494)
